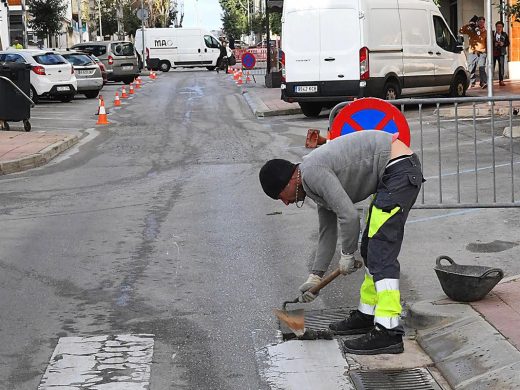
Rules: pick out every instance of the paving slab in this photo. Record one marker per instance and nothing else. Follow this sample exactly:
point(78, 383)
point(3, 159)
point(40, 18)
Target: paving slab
point(474, 346)
point(20, 151)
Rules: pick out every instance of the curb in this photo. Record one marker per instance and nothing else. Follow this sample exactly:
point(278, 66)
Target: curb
point(469, 352)
point(467, 111)
point(38, 159)
point(261, 110)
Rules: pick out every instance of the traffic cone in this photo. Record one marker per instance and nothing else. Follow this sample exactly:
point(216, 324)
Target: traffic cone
point(248, 79)
point(137, 84)
point(117, 102)
point(100, 99)
point(123, 93)
point(131, 89)
point(102, 118)
point(235, 76)
point(240, 82)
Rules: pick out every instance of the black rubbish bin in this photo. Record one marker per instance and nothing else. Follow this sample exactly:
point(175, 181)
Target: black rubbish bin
point(14, 106)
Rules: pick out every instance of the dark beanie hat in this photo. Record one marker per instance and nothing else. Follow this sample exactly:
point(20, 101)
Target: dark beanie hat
point(274, 176)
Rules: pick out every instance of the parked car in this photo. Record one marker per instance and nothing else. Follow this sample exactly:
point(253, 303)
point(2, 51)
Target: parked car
point(88, 73)
point(239, 44)
point(101, 67)
point(119, 58)
point(51, 76)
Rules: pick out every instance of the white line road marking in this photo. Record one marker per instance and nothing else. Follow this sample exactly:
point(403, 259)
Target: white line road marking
point(119, 362)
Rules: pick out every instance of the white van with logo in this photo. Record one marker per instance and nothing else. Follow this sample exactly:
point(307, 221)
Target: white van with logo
point(178, 47)
point(338, 50)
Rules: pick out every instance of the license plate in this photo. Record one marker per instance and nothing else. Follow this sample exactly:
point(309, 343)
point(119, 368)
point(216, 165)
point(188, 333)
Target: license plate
point(85, 72)
point(306, 88)
point(63, 89)
point(127, 67)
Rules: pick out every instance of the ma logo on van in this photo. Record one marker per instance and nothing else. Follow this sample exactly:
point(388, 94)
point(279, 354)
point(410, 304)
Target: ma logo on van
point(162, 43)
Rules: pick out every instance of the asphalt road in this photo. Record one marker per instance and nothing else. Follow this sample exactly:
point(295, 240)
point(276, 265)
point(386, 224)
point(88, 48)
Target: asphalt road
point(158, 226)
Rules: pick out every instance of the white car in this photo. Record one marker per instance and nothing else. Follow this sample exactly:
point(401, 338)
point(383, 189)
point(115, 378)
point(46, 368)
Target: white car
point(51, 75)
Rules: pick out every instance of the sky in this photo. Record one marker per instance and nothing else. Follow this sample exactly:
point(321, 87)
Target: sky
point(202, 13)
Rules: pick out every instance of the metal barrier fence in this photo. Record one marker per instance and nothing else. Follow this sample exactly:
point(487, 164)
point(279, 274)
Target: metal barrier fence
point(467, 162)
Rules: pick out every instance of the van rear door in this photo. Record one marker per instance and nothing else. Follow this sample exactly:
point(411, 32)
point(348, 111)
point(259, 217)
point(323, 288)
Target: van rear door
point(301, 42)
point(339, 43)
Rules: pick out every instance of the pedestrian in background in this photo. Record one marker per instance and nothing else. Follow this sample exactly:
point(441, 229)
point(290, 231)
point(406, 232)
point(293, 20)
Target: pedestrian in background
point(476, 32)
point(17, 44)
point(222, 60)
point(344, 171)
point(500, 44)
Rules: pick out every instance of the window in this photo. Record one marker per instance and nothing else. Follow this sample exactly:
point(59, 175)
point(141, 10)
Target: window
point(49, 59)
point(97, 50)
point(12, 58)
point(78, 59)
point(443, 35)
point(211, 42)
point(123, 49)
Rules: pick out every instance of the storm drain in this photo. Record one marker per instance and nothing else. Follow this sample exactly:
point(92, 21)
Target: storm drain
point(318, 319)
point(411, 379)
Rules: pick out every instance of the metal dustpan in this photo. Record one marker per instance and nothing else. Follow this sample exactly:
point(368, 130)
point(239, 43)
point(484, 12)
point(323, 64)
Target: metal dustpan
point(466, 283)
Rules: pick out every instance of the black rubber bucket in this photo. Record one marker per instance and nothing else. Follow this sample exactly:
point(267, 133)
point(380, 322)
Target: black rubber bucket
point(466, 283)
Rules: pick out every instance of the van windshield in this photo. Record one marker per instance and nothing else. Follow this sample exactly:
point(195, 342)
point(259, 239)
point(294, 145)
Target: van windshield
point(123, 49)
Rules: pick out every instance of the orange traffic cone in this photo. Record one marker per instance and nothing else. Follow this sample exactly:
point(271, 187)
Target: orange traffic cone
point(240, 82)
point(123, 93)
point(102, 118)
point(230, 70)
point(131, 89)
point(248, 79)
point(117, 102)
point(235, 76)
point(100, 99)
point(137, 84)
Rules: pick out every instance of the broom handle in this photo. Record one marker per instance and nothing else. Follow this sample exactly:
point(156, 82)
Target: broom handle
point(326, 280)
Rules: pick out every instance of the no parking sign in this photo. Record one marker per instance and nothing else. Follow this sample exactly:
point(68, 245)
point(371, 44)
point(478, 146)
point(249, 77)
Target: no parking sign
point(370, 114)
point(248, 60)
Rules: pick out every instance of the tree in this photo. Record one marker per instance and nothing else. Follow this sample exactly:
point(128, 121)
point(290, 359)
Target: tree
point(130, 20)
point(46, 16)
point(109, 17)
point(512, 11)
point(275, 22)
point(234, 18)
point(258, 23)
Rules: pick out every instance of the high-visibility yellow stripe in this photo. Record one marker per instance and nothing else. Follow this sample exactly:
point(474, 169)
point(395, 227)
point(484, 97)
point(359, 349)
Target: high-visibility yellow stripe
point(378, 218)
point(367, 292)
point(388, 304)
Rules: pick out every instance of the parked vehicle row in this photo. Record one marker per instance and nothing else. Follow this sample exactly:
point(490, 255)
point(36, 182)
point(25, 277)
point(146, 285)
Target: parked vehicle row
point(64, 73)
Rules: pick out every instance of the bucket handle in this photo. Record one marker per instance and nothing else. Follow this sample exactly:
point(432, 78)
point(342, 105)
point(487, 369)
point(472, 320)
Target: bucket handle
point(493, 270)
point(444, 257)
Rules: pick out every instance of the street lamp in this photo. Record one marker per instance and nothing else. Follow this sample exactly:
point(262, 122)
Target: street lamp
point(100, 27)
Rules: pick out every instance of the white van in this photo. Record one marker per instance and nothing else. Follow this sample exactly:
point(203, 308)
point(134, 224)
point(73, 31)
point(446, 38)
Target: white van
point(337, 50)
point(178, 47)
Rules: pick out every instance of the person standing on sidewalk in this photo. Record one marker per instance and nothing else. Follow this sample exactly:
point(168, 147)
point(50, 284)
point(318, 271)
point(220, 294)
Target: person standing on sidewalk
point(335, 176)
point(476, 31)
point(500, 44)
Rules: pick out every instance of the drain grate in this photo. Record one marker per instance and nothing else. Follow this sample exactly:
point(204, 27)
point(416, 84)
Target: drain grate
point(412, 379)
point(318, 319)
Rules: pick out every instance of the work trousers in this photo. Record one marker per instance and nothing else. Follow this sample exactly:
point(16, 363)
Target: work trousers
point(381, 242)
point(477, 60)
point(500, 59)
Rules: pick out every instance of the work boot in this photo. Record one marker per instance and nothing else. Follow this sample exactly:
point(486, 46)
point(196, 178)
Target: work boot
point(375, 342)
point(355, 323)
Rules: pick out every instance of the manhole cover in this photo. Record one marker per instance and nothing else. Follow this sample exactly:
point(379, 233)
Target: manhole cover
point(412, 379)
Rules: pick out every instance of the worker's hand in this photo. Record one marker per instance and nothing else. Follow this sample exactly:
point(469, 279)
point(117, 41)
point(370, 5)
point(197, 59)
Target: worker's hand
point(311, 281)
point(347, 264)
point(307, 297)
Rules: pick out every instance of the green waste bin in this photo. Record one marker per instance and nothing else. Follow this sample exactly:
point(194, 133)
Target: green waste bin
point(15, 106)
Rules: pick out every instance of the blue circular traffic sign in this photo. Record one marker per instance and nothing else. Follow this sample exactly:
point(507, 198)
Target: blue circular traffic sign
point(248, 60)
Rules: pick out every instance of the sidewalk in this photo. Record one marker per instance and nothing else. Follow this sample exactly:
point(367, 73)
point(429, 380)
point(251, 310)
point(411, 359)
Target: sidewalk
point(265, 101)
point(20, 151)
point(474, 346)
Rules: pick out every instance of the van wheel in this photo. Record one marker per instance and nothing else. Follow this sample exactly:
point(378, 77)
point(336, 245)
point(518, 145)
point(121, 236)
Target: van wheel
point(458, 87)
point(391, 90)
point(310, 110)
point(164, 66)
point(210, 68)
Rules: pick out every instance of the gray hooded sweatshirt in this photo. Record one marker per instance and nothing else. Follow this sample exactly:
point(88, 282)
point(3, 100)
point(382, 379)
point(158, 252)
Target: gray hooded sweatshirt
point(337, 175)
